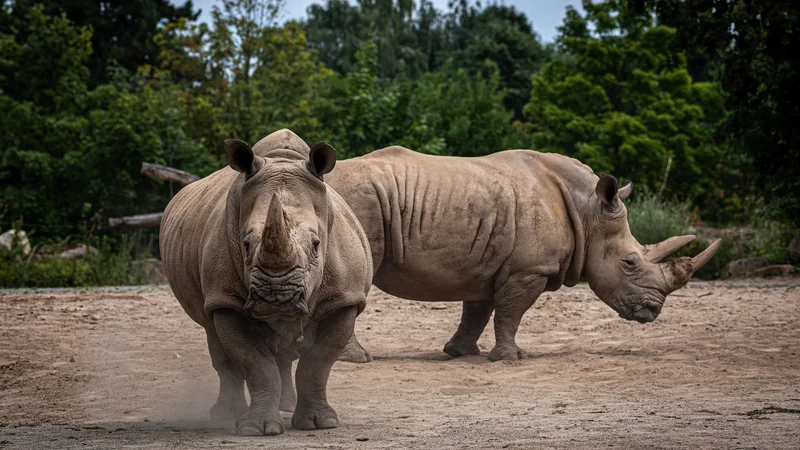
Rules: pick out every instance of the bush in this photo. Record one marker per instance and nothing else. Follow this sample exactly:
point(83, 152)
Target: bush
point(50, 272)
point(111, 265)
point(654, 220)
point(770, 240)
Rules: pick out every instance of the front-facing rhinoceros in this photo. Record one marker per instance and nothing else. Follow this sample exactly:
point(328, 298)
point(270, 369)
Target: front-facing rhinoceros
point(496, 231)
point(273, 264)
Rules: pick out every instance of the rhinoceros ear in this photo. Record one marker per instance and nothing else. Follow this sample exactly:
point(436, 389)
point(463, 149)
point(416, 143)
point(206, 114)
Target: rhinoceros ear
point(625, 191)
point(321, 159)
point(606, 190)
point(240, 155)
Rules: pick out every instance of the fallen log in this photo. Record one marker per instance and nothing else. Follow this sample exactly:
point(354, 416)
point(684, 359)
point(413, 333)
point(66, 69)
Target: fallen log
point(137, 221)
point(170, 174)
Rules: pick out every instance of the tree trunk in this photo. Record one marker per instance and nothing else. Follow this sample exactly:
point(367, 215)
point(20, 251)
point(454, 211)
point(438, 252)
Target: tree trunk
point(168, 174)
point(137, 221)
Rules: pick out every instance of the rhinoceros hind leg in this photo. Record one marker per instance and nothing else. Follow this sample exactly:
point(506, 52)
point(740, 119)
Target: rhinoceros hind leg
point(511, 302)
point(474, 317)
point(288, 395)
point(354, 352)
point(231, 403)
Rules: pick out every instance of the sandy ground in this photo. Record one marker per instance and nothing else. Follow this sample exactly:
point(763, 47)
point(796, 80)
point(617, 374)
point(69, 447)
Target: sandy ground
point(719, 369)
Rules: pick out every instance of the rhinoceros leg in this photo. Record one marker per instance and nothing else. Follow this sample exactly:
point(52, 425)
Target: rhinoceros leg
point(252, 349)
point(474, 317)
point(288, 396)
point(231, 402)
point(314, 367)
point(354, 352)
point(511, 302)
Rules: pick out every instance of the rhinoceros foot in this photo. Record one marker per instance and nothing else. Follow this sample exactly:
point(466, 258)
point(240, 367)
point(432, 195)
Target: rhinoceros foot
point(508, 352)
point(354, 352)
point(250, 425)
point(314, 418)
point(457, 349)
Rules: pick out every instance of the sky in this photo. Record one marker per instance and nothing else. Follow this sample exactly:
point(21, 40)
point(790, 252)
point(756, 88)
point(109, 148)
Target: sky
point(545, 15)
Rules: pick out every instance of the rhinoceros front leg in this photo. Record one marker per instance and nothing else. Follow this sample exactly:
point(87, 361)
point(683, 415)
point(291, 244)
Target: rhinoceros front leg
point(511, 302)
point(231, 402)
point(474, 317)
point(354, 352)
point(314, 367)
point(252, 349)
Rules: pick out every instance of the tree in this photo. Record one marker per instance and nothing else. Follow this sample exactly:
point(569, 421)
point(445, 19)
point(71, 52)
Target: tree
point(69, 151)
point(244, 76)
point(622, 102)
point(496, 38)
point(405, 38)
point(360, 111)
point(122, 30)
point(453, 113)
point(759, 45)
point(42, 96)
point(447, 112)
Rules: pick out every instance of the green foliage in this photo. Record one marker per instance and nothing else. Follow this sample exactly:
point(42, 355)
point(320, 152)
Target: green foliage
point(405, 42)
point(653, 220)
point(90, 90)
point(65, 146)
point(623, 103)
point(122, 31)
point(111, 265)
point(757, 46)
point(54, 272)
point(770, 240)
point(410, 42)
point(446, 112)
point(452, 113)
point(498, 39)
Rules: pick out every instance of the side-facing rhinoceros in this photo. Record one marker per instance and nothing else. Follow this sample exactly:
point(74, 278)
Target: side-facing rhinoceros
point(274, 265)
point(496, 231)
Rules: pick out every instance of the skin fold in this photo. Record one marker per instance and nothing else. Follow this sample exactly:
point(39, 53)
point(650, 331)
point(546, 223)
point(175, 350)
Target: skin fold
point(496, 231)
point(275, 266)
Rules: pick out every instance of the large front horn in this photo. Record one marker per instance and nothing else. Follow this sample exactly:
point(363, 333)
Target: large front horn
point(657, 252)
point(276, 245)
point(679, 271)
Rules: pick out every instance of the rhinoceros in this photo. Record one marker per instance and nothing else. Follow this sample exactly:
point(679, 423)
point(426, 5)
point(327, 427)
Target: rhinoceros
point(274, 265)
point(497, 231)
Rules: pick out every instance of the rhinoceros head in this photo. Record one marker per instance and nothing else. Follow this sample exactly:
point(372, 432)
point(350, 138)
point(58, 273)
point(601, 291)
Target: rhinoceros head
point(631, 278)
point(284, 220)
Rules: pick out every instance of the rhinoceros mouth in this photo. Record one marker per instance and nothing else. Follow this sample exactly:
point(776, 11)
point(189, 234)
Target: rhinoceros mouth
point(284, 295)
point(643, 310)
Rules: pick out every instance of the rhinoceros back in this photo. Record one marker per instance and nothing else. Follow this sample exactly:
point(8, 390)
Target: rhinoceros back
point(446, 228)
point(434, 232)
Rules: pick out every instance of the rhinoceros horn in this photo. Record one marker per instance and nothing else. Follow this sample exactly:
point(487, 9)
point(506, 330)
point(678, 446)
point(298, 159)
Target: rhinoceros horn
point(657, 252)
point(678, 272)
point(276, 244)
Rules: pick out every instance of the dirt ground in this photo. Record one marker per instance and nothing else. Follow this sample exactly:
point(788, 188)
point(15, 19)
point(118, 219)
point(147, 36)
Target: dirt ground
point(719, 369)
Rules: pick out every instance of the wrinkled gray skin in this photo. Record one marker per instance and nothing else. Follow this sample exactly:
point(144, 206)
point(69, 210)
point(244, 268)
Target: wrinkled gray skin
point(275, 266)
point(497, 231)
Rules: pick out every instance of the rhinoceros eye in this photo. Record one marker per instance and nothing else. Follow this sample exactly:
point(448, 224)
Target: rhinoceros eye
point(629, 262)
point(314, 247)
point(247, 245)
